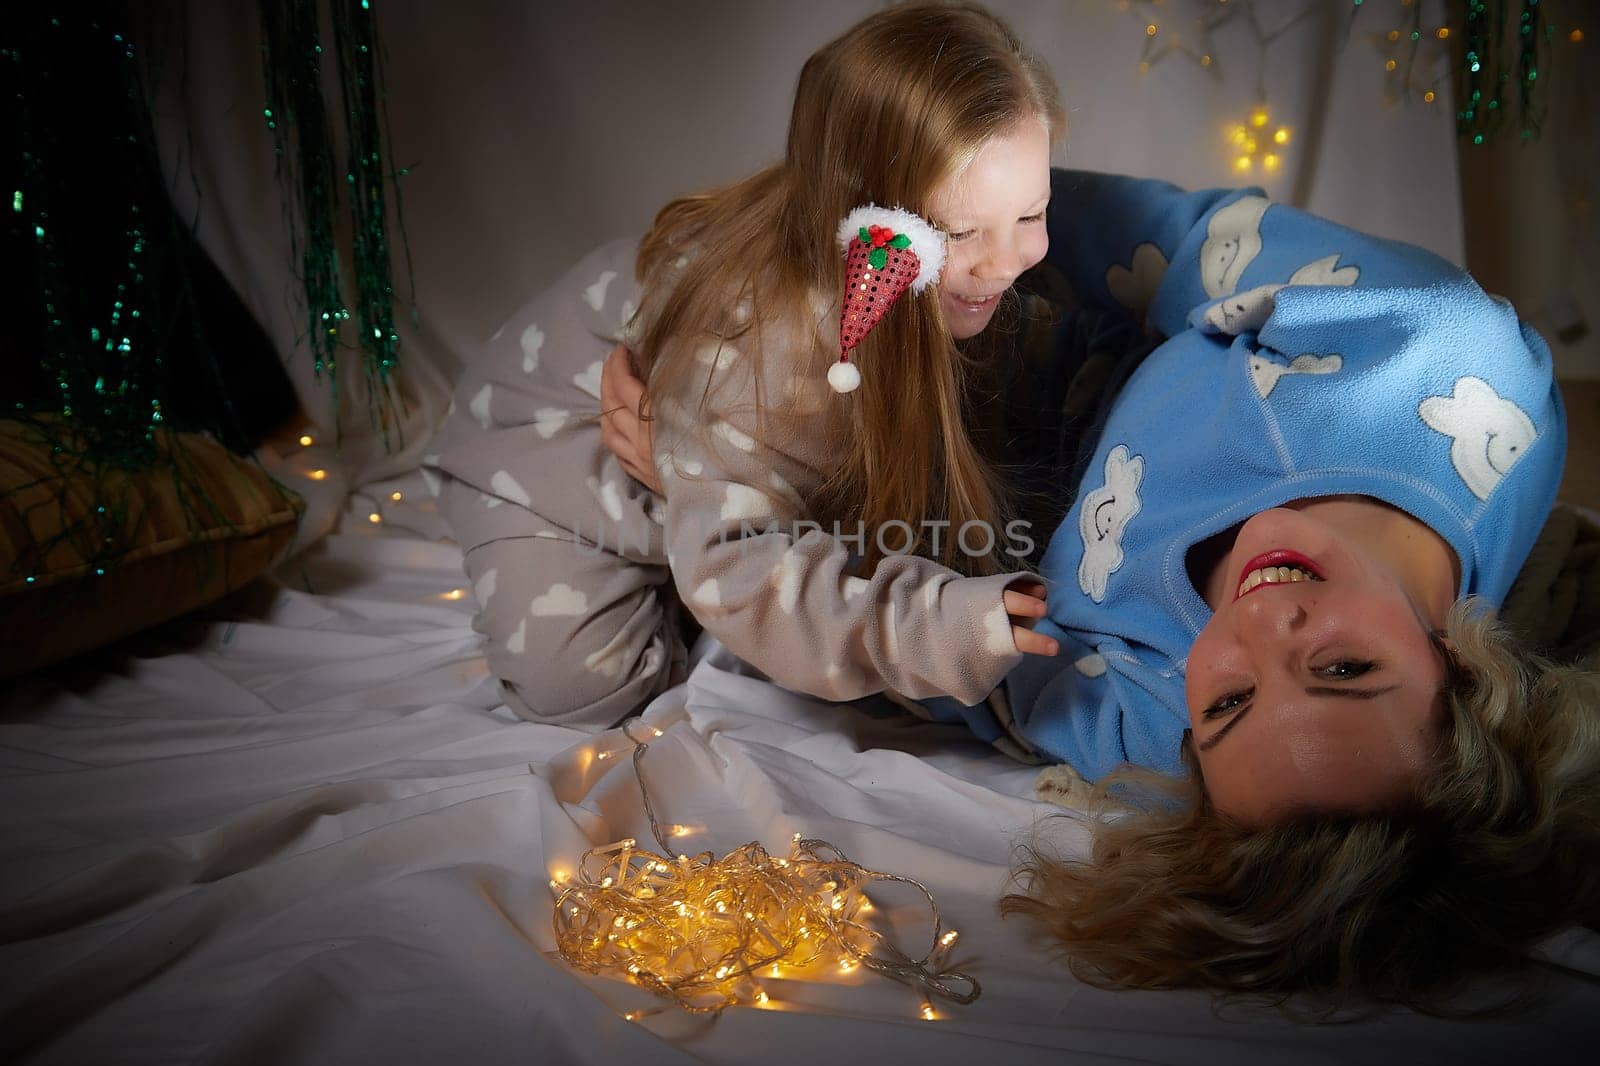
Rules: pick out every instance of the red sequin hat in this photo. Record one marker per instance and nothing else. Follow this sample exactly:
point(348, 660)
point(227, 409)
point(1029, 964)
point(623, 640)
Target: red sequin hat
point(887, 251)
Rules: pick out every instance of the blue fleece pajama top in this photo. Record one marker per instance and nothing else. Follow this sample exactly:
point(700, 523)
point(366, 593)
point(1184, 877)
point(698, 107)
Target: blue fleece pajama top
point(1302, 359)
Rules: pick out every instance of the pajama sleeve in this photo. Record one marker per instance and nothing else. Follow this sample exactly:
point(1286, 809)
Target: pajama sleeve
point(778, 590)
point(1113, 238)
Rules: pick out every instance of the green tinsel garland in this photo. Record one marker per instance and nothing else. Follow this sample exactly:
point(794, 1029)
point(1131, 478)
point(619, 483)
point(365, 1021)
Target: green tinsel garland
point(87, 375)
point(291, 53)
point(1486, 72)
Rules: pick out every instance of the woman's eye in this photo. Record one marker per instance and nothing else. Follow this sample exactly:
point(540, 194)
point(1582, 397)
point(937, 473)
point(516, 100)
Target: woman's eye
point(1226, 705)
point(1345, 669)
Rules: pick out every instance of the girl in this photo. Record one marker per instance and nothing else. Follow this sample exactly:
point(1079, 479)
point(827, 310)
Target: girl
point(1265, 587)
point(768, 476)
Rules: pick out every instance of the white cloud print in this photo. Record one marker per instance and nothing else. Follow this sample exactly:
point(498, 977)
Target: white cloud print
point(561, 599)
point(1106, 512)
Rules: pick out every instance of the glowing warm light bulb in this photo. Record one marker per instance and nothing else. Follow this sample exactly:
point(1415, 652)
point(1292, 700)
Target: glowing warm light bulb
point(949, 938)
point(927, 1012)
point(454, 594)
point(396, 497)
point(1205, 61)
point(1259, 117)
point(1281, 136)
point(1269, 163)
point(306, 441)
point(1428, 96)
point(603, 755)
point(1242, 163)
point(631, 1016)
point(1576, 36)
point(317, 475)
point(374, 518)
point(1443, 33)
point(761, 999)
point(1150, 30)
point(1389, 65)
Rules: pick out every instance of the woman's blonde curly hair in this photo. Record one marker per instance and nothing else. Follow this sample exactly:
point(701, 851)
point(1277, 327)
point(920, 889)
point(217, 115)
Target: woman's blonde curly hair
point(1498, 849)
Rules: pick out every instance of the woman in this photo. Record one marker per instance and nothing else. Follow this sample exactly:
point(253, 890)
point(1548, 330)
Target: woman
point(1266, 590)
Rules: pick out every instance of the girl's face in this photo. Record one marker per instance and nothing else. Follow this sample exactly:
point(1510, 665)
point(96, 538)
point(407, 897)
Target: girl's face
point(1320, 692)
point(993, 213)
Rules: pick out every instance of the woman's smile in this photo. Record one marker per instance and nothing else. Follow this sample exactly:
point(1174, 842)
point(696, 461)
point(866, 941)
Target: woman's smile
point(1277, 567)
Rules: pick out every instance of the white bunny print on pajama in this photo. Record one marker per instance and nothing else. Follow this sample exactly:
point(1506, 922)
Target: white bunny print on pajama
point(1302, 359)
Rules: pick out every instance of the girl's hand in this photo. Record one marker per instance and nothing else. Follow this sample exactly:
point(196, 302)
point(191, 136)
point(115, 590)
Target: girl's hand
point(1028, 602)
point(631, 439)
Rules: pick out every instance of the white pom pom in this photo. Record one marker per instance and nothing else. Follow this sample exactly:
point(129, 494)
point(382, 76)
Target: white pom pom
point(844, 377)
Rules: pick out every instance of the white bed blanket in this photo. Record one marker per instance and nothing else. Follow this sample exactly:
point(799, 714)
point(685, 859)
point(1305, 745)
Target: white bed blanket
point(301, 828)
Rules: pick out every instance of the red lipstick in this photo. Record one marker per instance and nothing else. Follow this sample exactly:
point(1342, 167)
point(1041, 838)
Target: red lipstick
point(1277, 557)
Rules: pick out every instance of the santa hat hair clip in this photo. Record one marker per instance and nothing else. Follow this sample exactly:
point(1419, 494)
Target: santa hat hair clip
point(887, 251)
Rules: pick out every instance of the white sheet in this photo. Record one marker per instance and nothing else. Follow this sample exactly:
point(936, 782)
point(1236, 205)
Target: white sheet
point(301, 829)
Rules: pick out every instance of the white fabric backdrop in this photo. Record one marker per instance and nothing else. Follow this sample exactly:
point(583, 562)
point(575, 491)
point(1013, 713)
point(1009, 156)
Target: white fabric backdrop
point(538, 130)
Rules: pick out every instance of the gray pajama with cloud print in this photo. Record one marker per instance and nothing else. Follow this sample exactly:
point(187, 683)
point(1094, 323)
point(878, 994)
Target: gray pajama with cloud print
point(582, 574)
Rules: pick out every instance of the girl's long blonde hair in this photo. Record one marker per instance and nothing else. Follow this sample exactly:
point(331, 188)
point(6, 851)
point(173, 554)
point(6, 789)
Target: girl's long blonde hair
point(1497, 850)
point(884, 114)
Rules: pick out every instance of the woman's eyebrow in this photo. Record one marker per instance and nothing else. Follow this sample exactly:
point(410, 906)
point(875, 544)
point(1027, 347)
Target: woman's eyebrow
point(1349, 693)
point(1311, 690)
point(1212, 741)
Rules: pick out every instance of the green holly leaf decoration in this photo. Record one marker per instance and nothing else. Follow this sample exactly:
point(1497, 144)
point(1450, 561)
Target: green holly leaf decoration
point(878, 258)
point(866, 238)
point(902, 241)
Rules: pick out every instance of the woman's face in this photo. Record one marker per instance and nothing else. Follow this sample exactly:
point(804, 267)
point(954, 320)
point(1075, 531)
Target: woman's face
point(1316, 689)
point(993, 212)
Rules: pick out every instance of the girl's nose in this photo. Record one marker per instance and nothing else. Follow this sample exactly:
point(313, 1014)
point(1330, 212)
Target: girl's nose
point(1002, 263)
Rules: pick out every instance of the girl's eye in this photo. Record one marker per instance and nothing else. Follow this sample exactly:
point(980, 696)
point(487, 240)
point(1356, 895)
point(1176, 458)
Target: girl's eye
point(963, 235)
point(1032, 218)
point(1226, 705)
point(1345, 669)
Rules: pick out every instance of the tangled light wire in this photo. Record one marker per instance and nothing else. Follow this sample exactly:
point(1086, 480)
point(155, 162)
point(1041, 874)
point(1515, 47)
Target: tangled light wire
point(702, 931)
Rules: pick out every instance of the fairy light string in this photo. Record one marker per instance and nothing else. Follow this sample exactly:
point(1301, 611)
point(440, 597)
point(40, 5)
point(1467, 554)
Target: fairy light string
point(702, 932)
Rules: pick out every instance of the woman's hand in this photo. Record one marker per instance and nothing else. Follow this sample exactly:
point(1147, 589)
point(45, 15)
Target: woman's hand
point(1028, 602)
point(630, 438)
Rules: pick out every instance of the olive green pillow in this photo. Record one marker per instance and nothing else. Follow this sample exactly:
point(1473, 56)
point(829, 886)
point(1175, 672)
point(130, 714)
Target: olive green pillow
point(90, 553)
